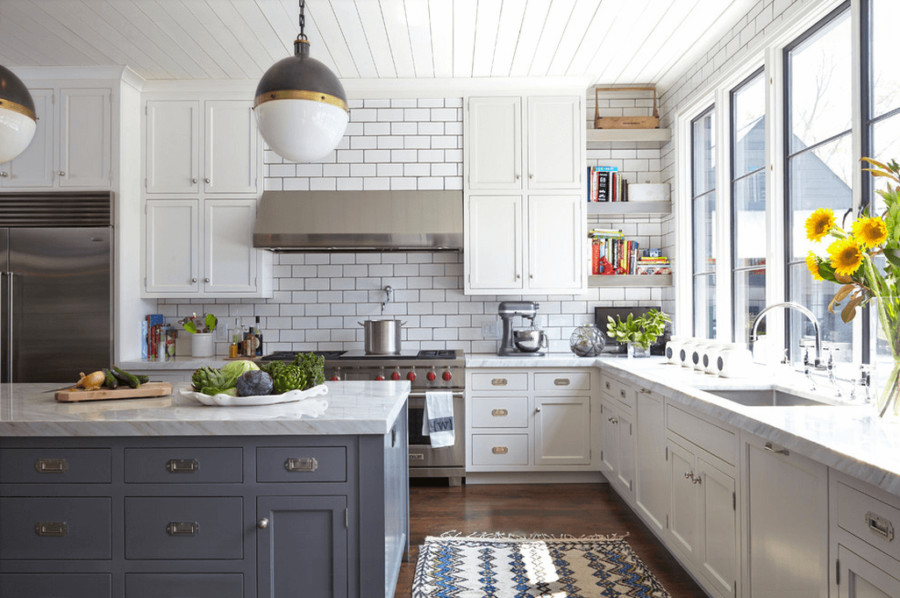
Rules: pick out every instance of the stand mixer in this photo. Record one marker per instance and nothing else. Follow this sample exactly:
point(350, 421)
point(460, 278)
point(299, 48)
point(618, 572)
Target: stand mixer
point(523, 341)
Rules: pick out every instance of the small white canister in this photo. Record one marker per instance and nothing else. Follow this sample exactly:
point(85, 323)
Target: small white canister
point(711, 356)
point(673, 350)
point(734, 360)
point(697, 355)
point(686, 351)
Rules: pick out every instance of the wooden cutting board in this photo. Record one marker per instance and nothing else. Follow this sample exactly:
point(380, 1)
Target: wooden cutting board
point(148, 389)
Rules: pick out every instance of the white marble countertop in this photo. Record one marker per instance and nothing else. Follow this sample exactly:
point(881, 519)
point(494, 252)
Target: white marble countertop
point(177, 363)
point(848, 438)
point(353, 408)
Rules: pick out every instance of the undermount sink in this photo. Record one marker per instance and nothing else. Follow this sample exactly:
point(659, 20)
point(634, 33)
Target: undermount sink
point(768, 397)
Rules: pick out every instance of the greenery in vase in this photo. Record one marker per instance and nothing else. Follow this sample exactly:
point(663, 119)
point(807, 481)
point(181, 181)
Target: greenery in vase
point(642, 331)
point(208, 325)
point(853, 262)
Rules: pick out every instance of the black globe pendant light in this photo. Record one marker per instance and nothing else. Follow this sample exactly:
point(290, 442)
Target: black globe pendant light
point(300, 105)
point(17, 118)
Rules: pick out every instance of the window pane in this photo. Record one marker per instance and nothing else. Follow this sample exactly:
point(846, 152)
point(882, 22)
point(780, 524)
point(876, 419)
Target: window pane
point(885, 75)
point(703, 142)
point(750, 220)
point(704, 233)
point(816, 295)
point(749, 127)
point(820, 85)
point(885, 147)
point(705, 306)
point(819, 178)
point(749, 300)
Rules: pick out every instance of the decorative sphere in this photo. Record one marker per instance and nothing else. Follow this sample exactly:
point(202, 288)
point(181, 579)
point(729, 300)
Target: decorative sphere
point(301, 130)
point(587, 341)
point(16, 127)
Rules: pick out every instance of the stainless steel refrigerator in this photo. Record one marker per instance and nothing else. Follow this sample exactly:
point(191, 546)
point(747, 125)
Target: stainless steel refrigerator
point(56, 292)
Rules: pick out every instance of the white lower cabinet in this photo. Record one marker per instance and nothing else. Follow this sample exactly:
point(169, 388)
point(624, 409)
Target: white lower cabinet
point(520, 420)
point(787, 522)
point(862, 579)
point(651, 486)
point(617, 446)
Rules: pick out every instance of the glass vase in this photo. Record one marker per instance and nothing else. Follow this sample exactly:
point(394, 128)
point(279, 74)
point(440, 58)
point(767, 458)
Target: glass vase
point(633, 350)
point(884, 355)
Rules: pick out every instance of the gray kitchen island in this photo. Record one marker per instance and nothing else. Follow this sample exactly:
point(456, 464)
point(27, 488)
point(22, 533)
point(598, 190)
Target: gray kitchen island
point(145, 498)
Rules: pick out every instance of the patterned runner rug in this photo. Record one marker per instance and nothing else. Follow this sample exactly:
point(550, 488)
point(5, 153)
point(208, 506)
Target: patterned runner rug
point(511, 567)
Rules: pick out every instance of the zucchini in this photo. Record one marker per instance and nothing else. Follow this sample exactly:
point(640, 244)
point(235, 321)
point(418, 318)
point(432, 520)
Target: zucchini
point(126, 378)
point(144, 379)
point(111, 380)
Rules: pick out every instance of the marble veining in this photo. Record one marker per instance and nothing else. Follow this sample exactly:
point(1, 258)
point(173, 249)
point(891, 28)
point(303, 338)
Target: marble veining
point(364, 407)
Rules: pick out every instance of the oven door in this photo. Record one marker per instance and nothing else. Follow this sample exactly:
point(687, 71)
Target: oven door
point(421, 454)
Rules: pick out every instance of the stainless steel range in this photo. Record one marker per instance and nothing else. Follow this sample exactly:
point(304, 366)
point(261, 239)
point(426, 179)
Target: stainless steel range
point(426, 370)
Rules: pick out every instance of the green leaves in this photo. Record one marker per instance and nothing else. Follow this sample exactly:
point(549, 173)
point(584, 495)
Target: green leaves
point(642, 331)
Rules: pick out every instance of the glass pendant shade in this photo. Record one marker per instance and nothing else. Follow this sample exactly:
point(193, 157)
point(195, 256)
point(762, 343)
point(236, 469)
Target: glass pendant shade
point(301, 107)
point(17, 118)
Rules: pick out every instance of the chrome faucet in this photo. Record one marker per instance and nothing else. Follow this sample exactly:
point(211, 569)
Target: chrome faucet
point(806, 312)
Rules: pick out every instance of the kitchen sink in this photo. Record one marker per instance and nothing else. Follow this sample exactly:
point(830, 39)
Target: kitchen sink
point(768, 397)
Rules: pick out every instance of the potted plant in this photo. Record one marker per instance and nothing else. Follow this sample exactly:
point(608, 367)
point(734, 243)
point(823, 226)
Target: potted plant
point(638, 333)
point(201, 334)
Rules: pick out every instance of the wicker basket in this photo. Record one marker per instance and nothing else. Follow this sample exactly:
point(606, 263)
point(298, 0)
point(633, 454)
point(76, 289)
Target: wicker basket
point(625, 122)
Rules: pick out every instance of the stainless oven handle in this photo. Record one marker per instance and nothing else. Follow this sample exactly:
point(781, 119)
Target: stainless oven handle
point(421, 395)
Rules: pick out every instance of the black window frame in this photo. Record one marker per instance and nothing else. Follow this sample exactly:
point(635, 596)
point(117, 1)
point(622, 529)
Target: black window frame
point(711, 109)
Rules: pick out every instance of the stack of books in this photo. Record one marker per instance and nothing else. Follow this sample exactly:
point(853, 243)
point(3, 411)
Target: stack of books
point(612, 253)
point(658, 264)
point(605, 184)
point(158, 340)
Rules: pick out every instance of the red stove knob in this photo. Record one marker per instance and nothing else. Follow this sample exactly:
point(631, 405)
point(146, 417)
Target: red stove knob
point(395, 376)
point(431, 376)
point(335, 378)
point(379, 377)
point(446, 376)
point(411, 376)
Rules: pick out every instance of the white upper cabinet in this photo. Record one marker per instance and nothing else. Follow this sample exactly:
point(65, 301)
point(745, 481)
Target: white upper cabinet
point(555, 138)
point(173, 144)
point(231, 260)
point(493, 239)
point(494, 142)
point(72, 144)
point(555, 242)
point(186, 153)
point(172, 246)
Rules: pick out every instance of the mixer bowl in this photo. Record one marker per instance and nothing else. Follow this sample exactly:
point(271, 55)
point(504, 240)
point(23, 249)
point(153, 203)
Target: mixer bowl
point(529, 341)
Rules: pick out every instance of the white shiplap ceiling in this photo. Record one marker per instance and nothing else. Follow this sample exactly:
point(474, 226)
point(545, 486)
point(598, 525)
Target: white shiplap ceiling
point(589, 41)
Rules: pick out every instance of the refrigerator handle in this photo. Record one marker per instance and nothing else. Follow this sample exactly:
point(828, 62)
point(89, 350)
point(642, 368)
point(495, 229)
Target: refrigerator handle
point(9, 332)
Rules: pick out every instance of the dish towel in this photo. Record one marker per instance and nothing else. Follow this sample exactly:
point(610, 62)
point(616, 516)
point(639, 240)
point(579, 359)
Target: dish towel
point(437, 420)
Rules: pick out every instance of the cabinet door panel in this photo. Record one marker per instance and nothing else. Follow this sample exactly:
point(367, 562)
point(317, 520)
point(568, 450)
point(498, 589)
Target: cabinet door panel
point(56, 585)
point(230, 147)
point(861, 579)
point(172, 152)
point(625, 439)
point(172, 246)
point(304, 546)
point(609, 441)
point(651, 490)
point(684, 514)
point(494, 141)
point(34, 166)
point(84, 138)
point(493, 247)
point(562, 430)
point(719, 526)
point(229, 253)
point(556, 249)
point(187, 585)
point(555, 130)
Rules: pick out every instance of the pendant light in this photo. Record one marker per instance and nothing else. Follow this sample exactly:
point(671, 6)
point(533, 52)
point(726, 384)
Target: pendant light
point(17, 118)
point(300, 105)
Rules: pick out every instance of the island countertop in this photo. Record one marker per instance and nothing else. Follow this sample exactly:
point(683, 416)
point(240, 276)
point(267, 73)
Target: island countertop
point(353, 408)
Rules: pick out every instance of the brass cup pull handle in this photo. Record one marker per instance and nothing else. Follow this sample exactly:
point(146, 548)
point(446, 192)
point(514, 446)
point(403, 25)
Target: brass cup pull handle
point(646, 391)
point(51, 466)
point(182, 465)
point(780, 451)
point(499, 382)
point(51, 529)
point(880, 526)
point(613, 420)
point(262, 523)
point(183, 528)
point(499, 412)
point(500, 450)
point(561, 382)
point(299, 464)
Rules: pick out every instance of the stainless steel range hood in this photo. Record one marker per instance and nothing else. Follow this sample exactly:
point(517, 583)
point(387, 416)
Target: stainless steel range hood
point(359, 221)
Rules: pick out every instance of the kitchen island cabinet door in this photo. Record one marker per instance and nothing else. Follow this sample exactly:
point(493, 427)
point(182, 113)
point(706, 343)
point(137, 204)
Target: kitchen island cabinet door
point(172, 151)
point(172, 246)
point(494, 242)
point(302, 546)
point(230, 258)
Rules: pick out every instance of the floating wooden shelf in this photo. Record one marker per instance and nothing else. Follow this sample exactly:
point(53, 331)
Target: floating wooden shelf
point(603, 138)
point(630, 280)
point(630, 208)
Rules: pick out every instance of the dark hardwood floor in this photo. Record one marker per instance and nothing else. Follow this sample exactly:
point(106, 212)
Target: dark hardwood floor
point(575, 509)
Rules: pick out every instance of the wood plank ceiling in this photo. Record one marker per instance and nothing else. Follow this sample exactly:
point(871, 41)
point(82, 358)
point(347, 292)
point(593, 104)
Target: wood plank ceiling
point(597, 41)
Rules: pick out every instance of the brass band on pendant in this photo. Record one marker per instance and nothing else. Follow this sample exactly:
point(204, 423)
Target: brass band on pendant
point(301, 94)
point(18, 108)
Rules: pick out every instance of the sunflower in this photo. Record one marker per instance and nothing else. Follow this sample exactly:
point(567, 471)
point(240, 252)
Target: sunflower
point(870, 231)
point(812, 264)
point(846, 256)
point(819, 223)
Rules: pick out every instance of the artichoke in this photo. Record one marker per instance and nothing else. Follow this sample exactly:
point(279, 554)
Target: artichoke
point(207, 377)
point(290, 377)
point(313, 366)
point(272, 367)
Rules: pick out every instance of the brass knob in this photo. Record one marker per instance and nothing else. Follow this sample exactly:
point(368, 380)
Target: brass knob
point(262, 523)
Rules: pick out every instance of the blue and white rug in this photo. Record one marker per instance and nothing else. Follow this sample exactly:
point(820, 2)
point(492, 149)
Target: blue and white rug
point(511, 567)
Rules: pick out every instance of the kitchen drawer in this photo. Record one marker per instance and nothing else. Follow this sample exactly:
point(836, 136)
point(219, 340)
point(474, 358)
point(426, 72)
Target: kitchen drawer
point(55, 528)
point(618, 391)
point(301, 464)
point(500, 381)
point(499, 412)
point(55, 585)
point(710, 437)
point(55, 466)
point(873, 521)
point(562, 381)
point(184, 465)
point(500, 449)
point(187, 585)
point(183, 528)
